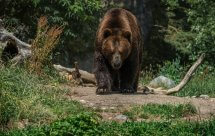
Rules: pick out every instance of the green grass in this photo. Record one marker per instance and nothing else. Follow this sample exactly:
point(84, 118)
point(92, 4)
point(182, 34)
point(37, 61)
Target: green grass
point(156, 111)
point(90, 125)
point(37, 99)
point(41, 101)
point(200, 84)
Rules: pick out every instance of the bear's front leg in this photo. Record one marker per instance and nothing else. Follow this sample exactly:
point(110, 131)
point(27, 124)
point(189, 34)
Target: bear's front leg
point(102, 74)
point(128, 74)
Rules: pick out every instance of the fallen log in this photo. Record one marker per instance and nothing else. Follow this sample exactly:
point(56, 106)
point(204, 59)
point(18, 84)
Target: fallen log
point(15, 49)
point(84, 75)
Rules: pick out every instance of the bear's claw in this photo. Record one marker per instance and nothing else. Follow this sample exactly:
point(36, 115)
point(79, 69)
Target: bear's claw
point(127, 90)
point(102, 90)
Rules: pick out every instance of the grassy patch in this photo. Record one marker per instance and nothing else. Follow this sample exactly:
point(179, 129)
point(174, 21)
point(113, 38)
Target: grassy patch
point(200, 84)
point(35, 99)
point(89, 124)
point(156, 111)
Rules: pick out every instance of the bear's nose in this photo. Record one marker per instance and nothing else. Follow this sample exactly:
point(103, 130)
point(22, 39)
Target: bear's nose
point(116, 61)
point(117, 64)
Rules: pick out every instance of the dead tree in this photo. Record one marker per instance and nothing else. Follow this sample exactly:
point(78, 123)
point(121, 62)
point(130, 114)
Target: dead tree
point(15, 50)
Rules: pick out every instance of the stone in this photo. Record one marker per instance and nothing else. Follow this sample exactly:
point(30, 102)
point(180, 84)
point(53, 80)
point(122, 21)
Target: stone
point(91, 104)
point(162, 81)
point(121, 117)
point(103, 108)
point(193, 97)
point(83, 101)
point(204, 96)
point(112, 108)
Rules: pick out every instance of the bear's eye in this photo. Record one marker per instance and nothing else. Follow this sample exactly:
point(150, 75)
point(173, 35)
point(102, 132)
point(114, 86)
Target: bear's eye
point(127, 35)
point(107, 33)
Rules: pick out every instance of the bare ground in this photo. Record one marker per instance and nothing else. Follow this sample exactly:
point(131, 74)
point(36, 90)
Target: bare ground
point(113, 104)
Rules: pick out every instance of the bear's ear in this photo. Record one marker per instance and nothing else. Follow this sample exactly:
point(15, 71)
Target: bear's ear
point(127, 35)
point(107, 33)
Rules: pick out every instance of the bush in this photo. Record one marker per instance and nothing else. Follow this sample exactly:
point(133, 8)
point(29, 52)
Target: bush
point(79, 18)
point(82, 124)
point(43, 45)
point(172, 70)
point(202, 17)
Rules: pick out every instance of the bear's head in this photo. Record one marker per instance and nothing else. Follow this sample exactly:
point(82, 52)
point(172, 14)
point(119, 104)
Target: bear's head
point(116, 46)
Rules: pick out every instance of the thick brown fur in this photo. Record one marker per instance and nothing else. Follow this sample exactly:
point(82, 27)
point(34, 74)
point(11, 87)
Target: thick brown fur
point(118, 42)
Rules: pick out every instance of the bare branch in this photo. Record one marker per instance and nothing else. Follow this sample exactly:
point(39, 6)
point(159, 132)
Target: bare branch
point(177, 88)
point(187, 77)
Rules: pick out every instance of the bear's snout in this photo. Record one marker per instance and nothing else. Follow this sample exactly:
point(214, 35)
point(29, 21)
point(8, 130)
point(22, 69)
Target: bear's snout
point(116, 61)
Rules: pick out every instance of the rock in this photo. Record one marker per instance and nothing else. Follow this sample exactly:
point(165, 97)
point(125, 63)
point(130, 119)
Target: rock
point(112, 108)
point(83, 101)
point(103, 108)
point(193, 97)
point(121, 117)
point(162, 81)
point(204, 96)
point(91, 104)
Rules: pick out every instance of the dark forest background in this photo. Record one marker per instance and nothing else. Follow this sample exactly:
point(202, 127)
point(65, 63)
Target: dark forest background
point(172, 29)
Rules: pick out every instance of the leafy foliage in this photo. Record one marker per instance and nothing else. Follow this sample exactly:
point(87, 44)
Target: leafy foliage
point(172, 70)
point(202, 17)
point(79, 18)
point(88, 124)
point(82, 124)
point(191, 27)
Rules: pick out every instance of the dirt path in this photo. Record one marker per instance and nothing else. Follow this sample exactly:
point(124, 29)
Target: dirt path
point(117, 101)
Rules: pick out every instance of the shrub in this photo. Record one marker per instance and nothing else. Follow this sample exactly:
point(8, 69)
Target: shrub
point(45, 41)
point(172, 70)
point(82, 124)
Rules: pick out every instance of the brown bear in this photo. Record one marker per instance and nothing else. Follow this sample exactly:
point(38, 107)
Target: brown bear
point(118, 52)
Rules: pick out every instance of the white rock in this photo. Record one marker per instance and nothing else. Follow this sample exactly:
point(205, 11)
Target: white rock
point(83, 101)
point(91, 104)
point(162, 81)
point(121, 117)
point(204, 96)
point(193, 96)
point(112, 108)
point(103, 108)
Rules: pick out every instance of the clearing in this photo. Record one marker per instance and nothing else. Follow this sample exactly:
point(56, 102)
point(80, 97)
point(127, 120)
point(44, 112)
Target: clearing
point(113, 104)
